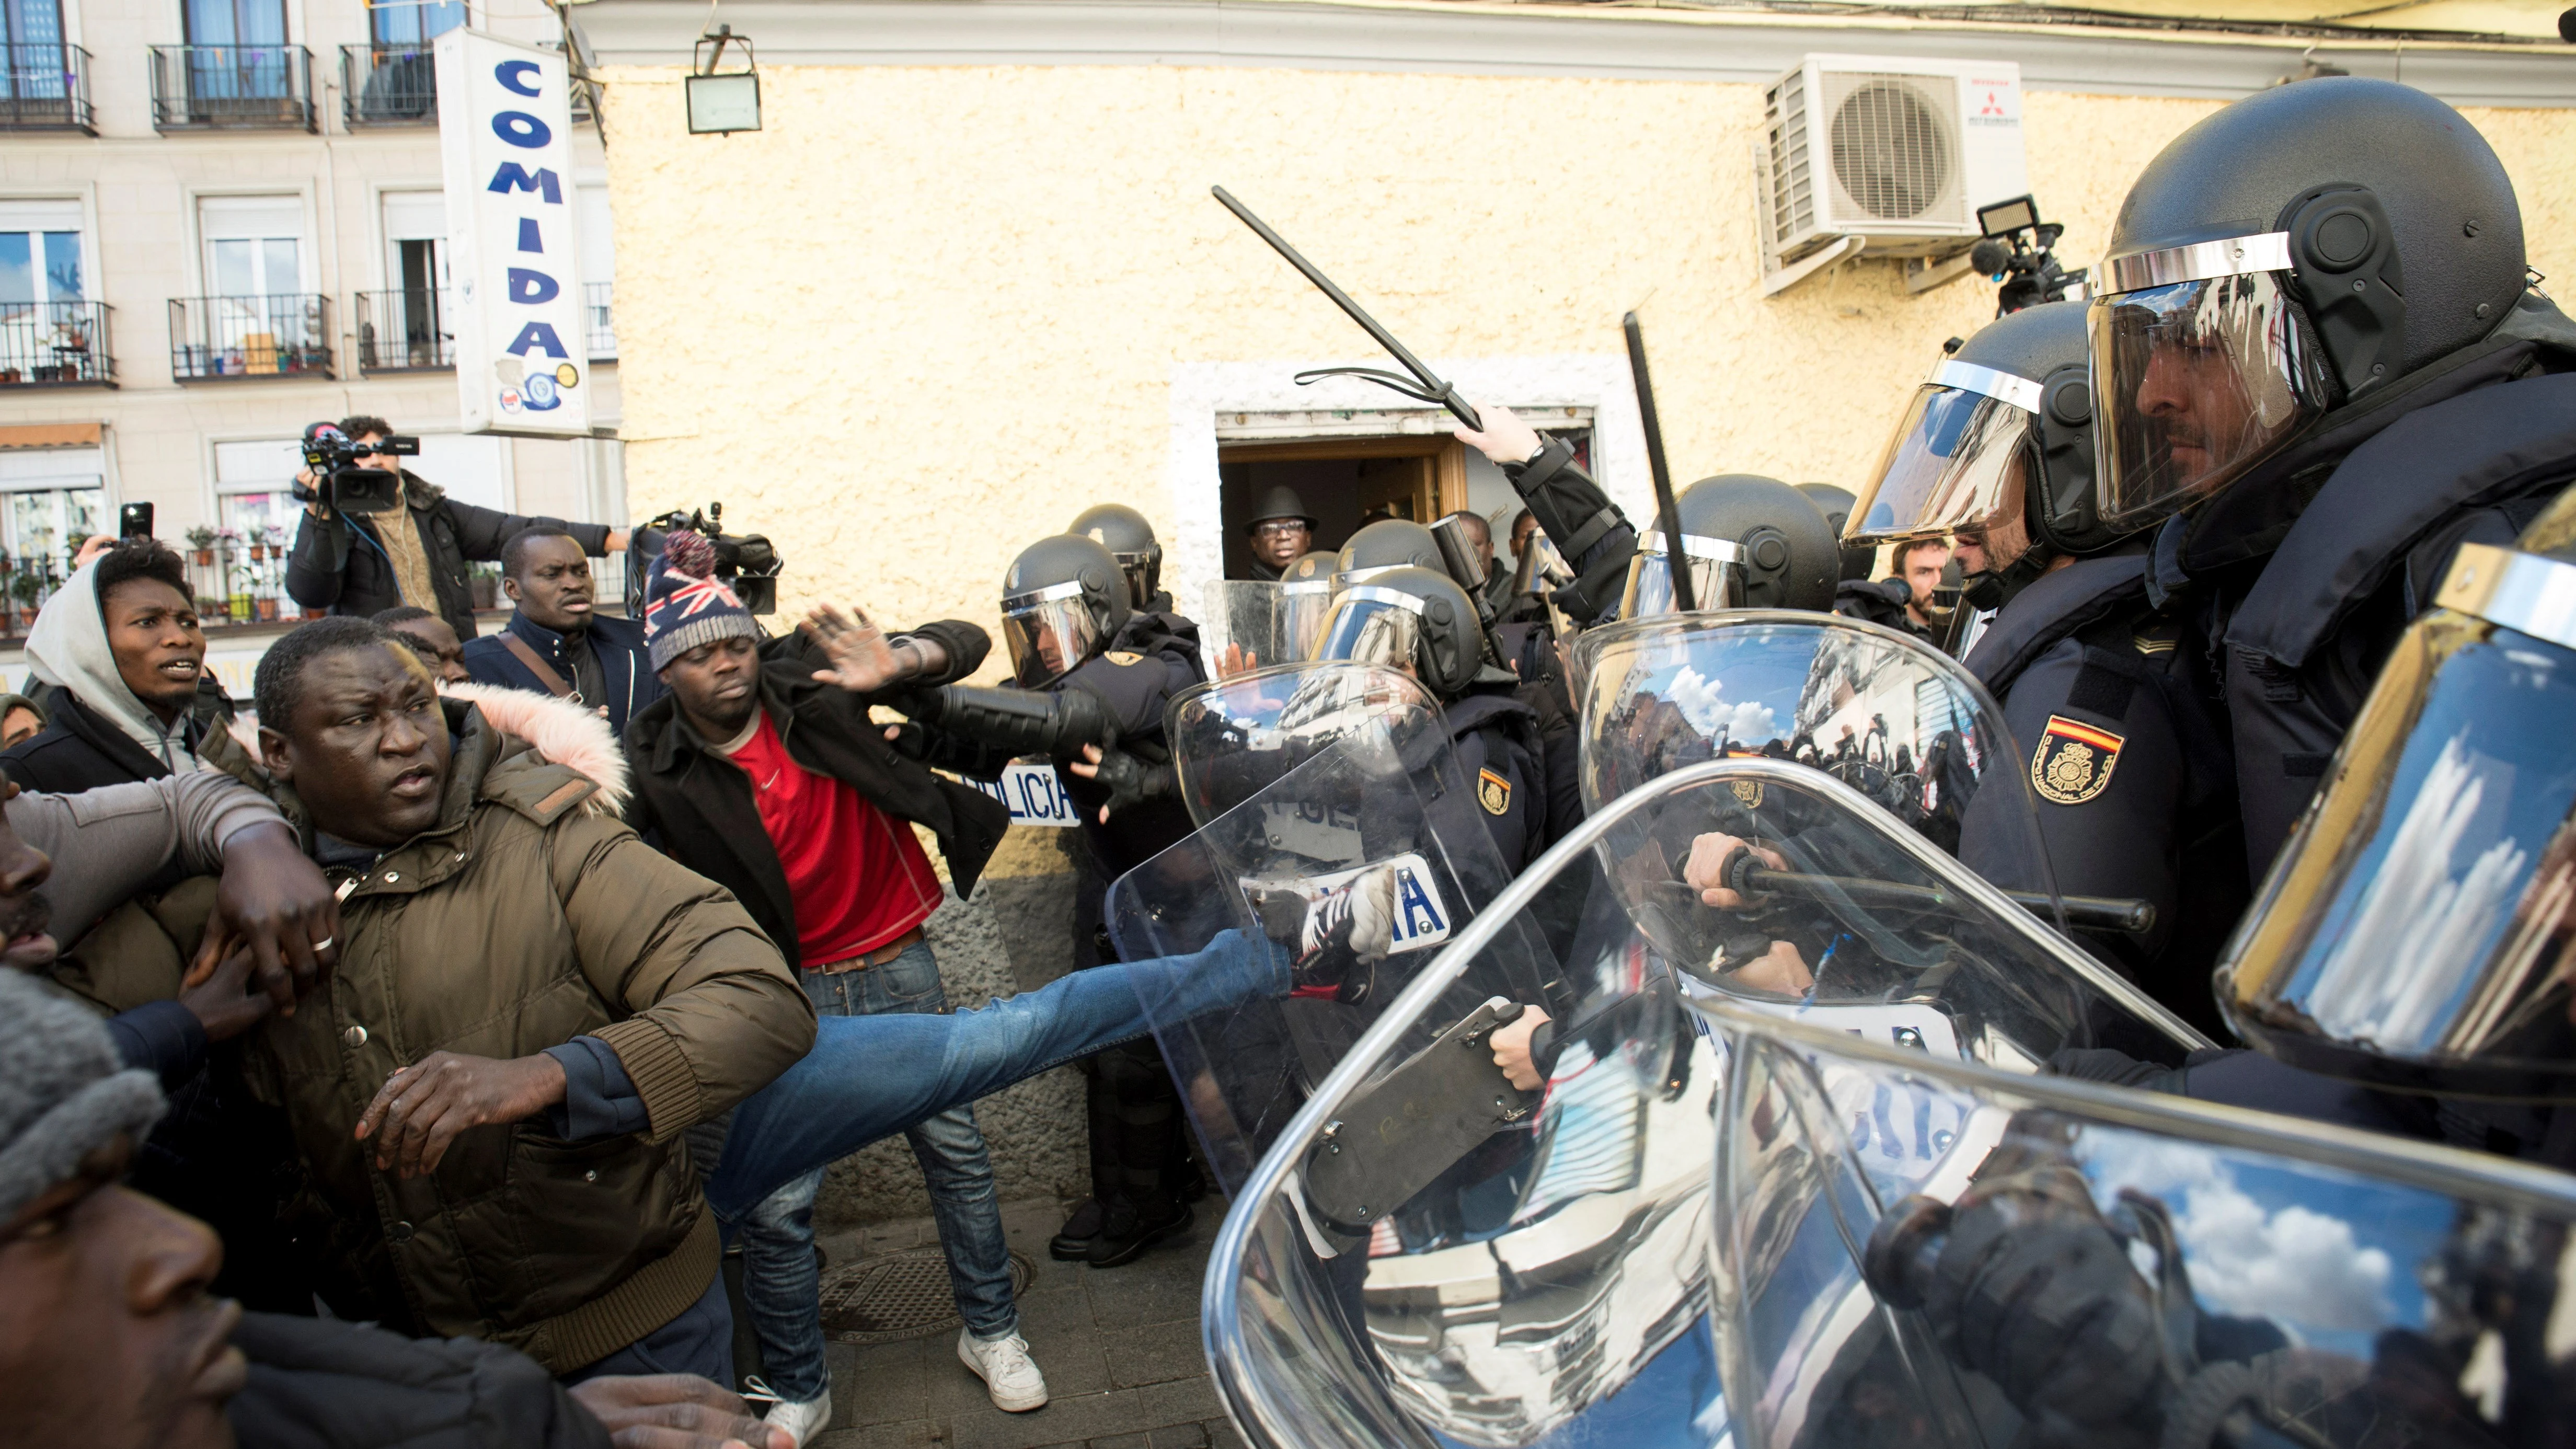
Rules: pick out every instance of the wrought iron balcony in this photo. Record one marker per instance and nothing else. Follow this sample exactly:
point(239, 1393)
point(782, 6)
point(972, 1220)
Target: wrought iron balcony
point(222, 338)
point(55, 344)
point(45, 88)
point(388, 85)
point(232, 87)
point(598, 321)
point(404, 331)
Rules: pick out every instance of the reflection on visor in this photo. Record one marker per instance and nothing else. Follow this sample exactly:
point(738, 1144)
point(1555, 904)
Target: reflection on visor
point(2419, 927)
point(1049, 631)
point(1370, 625)
point(2194, 383)
point(1716, 582)
point(1302, 608)
point(1955, 465)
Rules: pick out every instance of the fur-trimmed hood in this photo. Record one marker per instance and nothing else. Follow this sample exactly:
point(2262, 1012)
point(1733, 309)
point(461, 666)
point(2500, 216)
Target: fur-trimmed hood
point(558, 731)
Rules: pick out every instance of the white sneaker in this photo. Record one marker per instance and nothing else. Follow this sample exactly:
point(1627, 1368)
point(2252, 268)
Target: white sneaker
point(1008, 1372)
point(802, 1420)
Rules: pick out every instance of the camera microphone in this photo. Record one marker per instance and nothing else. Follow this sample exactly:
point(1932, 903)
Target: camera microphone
point(1990, 257)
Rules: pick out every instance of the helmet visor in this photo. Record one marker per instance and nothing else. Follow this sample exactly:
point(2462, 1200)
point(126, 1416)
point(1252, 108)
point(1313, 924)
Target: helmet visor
point(2194, 382)
point(1049, 631)
point(1370, 625)
point(2420, 930)
point(1715, 584)
point(1957, 462)
point(1302, 607)
point(1140, 570)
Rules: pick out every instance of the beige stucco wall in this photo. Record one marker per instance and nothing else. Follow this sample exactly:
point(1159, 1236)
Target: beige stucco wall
point(928, 314)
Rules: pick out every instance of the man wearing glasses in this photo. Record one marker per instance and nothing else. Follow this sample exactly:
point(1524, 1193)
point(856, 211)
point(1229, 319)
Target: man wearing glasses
point(1278, 533)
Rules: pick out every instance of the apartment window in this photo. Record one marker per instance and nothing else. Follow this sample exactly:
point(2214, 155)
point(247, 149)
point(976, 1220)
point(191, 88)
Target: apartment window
point(406, 324)
point(55, 498)
point(596, 240)
point(49, 331)
point(413, 22)
point(236, 22)
point(260, 316)
point(253, 488)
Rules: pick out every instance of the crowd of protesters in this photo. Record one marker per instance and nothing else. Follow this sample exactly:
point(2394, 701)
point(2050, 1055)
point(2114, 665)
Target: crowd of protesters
point(394, 1054)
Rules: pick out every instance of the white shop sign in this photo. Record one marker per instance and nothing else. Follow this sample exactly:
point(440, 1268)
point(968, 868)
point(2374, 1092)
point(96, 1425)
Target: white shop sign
point(505, 142)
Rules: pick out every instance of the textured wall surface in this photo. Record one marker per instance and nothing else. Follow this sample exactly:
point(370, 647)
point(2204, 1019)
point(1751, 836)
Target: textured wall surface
point(927, 314)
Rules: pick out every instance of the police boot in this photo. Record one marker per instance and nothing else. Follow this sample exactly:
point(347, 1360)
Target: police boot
point(1072, 1242)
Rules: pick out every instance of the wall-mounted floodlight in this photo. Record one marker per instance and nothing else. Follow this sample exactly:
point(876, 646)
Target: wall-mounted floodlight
point(727, 101)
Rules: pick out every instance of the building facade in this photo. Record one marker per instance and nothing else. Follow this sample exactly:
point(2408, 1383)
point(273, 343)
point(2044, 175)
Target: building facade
point(220, 221)
point(967, 277)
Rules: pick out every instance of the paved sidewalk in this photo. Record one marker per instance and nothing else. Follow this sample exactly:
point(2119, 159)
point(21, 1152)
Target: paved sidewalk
point(1120, 1349)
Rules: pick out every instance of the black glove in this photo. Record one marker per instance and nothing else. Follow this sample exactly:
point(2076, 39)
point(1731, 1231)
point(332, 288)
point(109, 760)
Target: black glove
point(1131, 781)
point(1586, 527)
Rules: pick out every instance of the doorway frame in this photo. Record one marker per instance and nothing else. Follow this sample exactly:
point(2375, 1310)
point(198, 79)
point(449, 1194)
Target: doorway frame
point(1204, 392)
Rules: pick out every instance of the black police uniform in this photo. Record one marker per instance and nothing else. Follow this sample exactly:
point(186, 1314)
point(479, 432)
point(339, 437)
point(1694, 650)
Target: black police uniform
point(1883, 602)
point(1505, 760)
point(2128, 759)
point(1139, 1143)
point(2301, 632)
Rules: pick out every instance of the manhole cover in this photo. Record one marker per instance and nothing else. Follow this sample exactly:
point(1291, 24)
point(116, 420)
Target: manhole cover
point(899, 1295)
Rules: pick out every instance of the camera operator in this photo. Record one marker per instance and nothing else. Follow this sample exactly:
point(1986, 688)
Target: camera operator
point(364, 564)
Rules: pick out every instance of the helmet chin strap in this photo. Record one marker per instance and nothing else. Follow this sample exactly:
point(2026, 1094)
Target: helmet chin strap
point(1994, 588)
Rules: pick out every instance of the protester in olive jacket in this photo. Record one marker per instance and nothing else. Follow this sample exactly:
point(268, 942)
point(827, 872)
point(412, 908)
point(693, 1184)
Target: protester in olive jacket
point(531, 1006)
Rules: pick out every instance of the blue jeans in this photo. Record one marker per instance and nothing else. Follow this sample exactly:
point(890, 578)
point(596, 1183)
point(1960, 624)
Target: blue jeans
point(781, 1287)
point(873, 1076)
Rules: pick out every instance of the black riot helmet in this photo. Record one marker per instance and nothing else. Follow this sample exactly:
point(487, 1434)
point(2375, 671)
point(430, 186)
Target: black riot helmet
point(1062, 602)
point(1411, 617)
point(1386, 544)
point(2291, 254)
point(1998, 441)
point(1751, 543)
point(1130, 540)
point(1836, 505)
point(2419, 929)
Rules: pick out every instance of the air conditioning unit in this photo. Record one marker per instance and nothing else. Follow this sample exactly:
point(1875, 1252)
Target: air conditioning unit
point(1880, 156)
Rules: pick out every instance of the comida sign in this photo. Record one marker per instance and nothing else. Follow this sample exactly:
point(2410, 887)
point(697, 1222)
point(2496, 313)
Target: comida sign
point(505, 141)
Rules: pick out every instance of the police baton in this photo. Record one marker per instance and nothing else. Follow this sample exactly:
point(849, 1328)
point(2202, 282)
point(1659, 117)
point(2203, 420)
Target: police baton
point(1746, 875)
point(1424, 385)
point(1669, 511)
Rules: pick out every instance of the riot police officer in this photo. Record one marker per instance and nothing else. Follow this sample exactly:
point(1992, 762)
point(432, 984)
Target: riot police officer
point(1419, 620)
point(2127, 753)
point(2319, 363)
point(1069, 616)
point(1129, 537)
point(1388, 543)
point(1750, 543)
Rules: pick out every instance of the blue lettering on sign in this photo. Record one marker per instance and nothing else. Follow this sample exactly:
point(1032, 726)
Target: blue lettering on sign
point(541, 337)
point(514, 177)
point(1033, 794)
point(511, 72)
point(1412, 898)
point(531, 288)
point(522, 130)
point(528, 238)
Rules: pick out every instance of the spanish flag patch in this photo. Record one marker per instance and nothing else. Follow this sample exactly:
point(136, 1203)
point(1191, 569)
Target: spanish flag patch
point(1493, 792)
point(2074, 760)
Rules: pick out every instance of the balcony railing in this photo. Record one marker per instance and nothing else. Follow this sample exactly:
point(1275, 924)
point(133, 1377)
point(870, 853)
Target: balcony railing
point(250, 337)
point(404, 331)
point(45, 88)
point(599, 321)
point(388, 85)
point(55, 344)
point(221, 87)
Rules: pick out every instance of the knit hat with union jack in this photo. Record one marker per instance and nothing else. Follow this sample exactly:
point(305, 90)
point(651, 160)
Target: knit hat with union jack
point(685, 606)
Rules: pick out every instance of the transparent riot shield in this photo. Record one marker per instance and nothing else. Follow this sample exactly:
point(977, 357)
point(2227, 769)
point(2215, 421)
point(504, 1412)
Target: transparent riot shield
point(1550, 1284)
point(1250, 624)
point(1907, 728)
point(1235, 736)
point(1912, 1249)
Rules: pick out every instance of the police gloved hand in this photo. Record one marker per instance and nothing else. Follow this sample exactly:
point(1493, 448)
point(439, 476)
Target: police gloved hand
point(1131, 781)
point(2026, 1282)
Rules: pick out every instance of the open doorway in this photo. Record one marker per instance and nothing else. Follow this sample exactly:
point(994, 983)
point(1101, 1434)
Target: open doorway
point(1348, 481)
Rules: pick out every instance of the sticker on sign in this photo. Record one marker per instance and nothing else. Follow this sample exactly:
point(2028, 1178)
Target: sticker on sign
point(1419, 919)
point(1034, 793)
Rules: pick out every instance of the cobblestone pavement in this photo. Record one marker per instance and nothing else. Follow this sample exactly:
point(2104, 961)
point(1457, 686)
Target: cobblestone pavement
point(1120, 1349)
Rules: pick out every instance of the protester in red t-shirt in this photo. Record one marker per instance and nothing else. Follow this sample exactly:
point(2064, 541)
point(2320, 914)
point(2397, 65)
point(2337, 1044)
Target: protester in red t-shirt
point(763, 772)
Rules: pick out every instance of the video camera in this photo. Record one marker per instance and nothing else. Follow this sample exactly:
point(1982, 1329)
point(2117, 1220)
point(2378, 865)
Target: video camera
point(745, 562)
point(346, 487)
point(2028, 273)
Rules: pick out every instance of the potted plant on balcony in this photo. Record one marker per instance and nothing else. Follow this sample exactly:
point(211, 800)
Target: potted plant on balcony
point(201, 542)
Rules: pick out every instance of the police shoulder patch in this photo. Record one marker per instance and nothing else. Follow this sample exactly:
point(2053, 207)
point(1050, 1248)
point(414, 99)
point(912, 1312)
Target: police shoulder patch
point(1493, 792)
point(2074, 761)
point(1121, 657)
